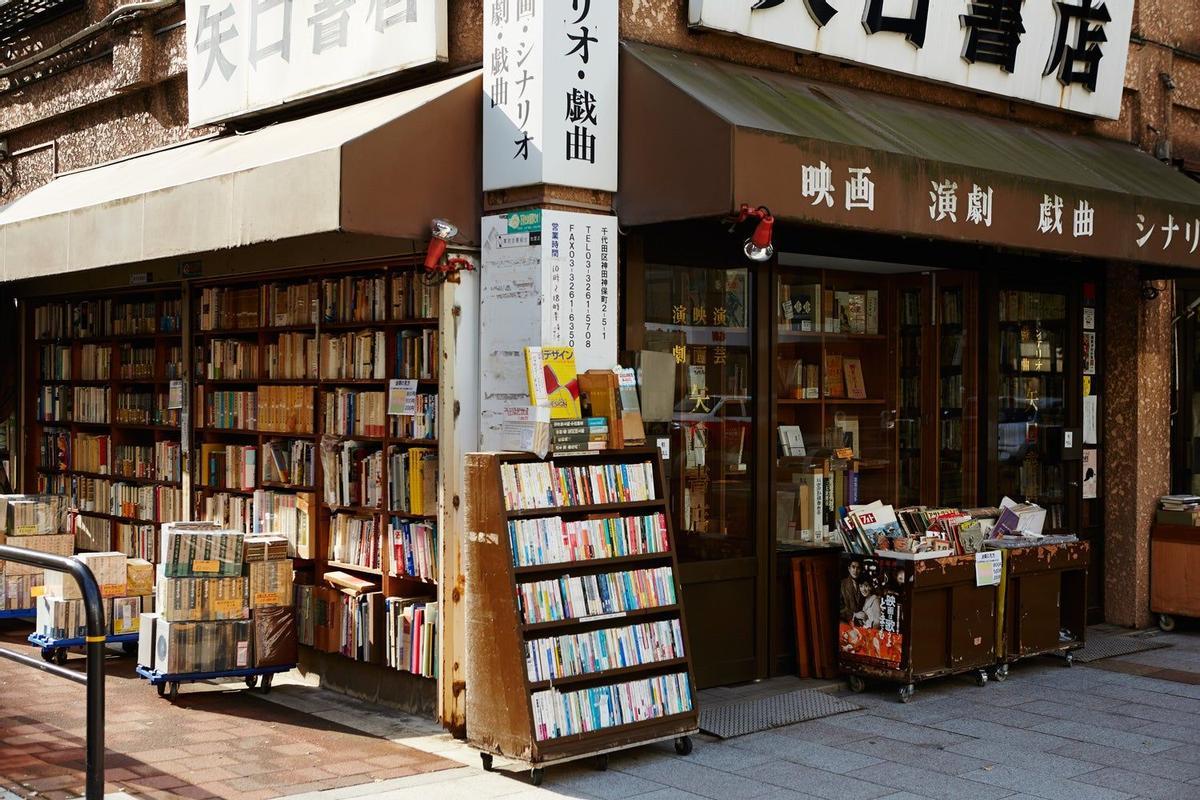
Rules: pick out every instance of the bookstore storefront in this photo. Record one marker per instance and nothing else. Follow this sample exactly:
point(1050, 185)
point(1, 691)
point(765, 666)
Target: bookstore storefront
point(214, 331)
point(929, 329)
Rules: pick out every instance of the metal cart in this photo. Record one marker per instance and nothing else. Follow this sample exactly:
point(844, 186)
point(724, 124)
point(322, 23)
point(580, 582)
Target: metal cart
point(1043, 597)
point(168, 683)
point(18, 613)
point(55, 650)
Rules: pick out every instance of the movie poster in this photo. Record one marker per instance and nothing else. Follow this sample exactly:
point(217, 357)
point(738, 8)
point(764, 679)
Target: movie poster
point(869, 613)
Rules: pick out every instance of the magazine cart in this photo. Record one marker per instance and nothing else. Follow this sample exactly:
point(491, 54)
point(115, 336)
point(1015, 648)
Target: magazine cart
point(500, 711)
point(1174, 558)
point(1043, 595)
point(56, 649)
point(168, 683)
point(935, 622)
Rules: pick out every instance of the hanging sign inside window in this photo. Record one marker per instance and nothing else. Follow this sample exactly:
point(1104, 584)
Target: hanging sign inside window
point(1069, 54)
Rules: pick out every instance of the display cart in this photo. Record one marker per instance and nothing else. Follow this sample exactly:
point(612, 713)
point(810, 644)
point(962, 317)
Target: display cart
point(56, 649)
point(1174, 561)
point(18, 613)
point(903, 621)
point(168, 683)
point(1043, 595)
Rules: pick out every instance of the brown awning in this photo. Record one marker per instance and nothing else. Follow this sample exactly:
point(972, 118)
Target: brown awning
point(699, 137)
point(383, 167)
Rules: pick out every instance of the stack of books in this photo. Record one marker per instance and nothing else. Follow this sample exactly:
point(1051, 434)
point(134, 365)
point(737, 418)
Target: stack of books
point(1179, 509)
point(578, 435)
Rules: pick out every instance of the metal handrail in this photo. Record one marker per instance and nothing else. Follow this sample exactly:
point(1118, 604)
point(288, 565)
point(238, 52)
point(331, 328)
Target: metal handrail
point(93, 607)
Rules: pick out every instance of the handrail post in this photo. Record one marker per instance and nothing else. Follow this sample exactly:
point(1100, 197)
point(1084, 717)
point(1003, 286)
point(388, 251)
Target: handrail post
point(93, 606)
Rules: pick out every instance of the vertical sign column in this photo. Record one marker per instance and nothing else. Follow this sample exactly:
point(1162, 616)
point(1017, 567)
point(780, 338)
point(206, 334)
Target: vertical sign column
point(549, 118)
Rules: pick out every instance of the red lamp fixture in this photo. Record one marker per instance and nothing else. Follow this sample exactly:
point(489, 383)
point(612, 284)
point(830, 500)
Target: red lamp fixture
point(758, 247)
point(442, 231)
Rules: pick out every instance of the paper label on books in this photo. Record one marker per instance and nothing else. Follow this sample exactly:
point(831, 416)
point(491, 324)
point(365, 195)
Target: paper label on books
point(37, 591)
point(231, 605)
point(402, 397)
point(598, 617)
point(268, 599)
point(1089, 319)
point(664, 447)
point(243, 654)
point(988, 566)
point(175, 395)
point(209, 565)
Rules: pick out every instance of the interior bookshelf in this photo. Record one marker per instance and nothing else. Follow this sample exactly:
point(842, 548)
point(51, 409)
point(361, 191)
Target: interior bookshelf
point(291, 403)
point(102, 431)
point(577, 609)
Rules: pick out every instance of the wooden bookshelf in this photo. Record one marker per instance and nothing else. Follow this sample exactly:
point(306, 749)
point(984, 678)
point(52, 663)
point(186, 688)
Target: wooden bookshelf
point(321, 318)
point(128, 344)
point(500, 704)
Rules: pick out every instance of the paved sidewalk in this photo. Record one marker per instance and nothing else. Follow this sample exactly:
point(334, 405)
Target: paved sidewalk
point(1098, 732)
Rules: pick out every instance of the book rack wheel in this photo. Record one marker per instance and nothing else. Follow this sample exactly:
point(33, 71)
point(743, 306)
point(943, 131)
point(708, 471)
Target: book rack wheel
point(537, 775)
point(602, 762)
point(162, 689)
point(981, 678)
point(60, 656)
point(1166, 622)
point(1068, 660)
point(266, 683)
point(1000, 673)
point(173, 693)
point(129, 648)
point(683, 745)
point(905, 693)
point(47, 655)
point(251, 681)
point(486, 758)
point(857, 684)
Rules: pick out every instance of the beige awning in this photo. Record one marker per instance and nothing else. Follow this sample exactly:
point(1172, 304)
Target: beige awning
point(384, 167)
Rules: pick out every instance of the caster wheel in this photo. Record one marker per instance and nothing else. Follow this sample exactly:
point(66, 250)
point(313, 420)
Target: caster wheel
point(486, 758)
point(60, 657)
point(905, 693)
point(602, 762)
point(173, 693)
point(251, 681)
point(129, 648)
point(683, 745)
point(266, 684)
point(162, 689)
point(981, 678)
point(857, 684)
point(536, 776)
point(1069, 660)
point(48, 656)
point(1000, 674)
point(1166, 622)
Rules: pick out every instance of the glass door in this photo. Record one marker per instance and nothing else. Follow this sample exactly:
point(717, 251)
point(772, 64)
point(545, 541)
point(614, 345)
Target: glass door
point(956, 382)
point(913, 317)
point(1031, 399)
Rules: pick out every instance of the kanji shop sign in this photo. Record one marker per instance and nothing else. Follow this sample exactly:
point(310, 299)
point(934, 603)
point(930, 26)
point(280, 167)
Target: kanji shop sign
point(550, 93)
point(249, 55)
point(1069, 54)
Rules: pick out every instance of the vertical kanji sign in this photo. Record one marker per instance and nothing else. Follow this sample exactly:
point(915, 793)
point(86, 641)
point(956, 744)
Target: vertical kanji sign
point(245, 56)
point(550, 93)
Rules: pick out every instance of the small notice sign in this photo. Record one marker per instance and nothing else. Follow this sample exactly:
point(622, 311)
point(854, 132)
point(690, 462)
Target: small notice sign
point(402, 397)
point(207, 565)
point(988, 564)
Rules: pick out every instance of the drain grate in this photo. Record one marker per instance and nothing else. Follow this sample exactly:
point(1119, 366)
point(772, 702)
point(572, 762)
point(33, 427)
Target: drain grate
point(741, 717)
point(1100, 647)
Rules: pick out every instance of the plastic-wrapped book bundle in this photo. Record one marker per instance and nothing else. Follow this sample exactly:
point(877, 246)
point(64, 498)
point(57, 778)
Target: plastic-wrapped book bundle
point(126, 585)
point(35, 522)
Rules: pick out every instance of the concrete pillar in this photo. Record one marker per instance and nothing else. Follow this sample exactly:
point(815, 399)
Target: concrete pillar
point(1137, 436)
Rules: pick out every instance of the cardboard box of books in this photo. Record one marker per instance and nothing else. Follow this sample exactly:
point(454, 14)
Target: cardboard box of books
point(56, 544)
point(201, 549)
point(91, 533)
point(110, 570)
point(18, 592)
point(33, 515)
point(139, 577)
point(198, 599)
point(58, 618)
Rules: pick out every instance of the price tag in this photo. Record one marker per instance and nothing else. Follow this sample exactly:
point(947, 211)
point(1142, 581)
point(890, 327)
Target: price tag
point(210, 565)
point(988, 565)
point(37, 591)
point(232, 605)
point(268, 599)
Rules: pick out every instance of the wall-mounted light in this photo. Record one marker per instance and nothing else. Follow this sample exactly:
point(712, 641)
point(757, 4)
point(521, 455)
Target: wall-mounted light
point(758, 247)
point(442, 231)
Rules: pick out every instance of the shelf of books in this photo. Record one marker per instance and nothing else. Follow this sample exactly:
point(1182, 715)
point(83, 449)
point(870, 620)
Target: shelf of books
point(316, 406)
point(105, 414)
point(579, 642)
point(833, 396)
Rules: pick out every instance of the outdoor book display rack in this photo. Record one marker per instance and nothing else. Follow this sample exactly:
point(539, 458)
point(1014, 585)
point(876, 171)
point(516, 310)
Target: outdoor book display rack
point(905, 621)
point(1174, 559)
point(503, 703)
point(56, 649)
point(1044, 601)
point(168, 683)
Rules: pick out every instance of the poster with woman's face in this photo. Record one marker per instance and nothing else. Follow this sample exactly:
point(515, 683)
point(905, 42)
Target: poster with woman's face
point(869, 614)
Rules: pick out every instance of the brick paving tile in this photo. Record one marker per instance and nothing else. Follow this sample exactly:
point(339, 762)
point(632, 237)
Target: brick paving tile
point(347, 767)
point(210, 744)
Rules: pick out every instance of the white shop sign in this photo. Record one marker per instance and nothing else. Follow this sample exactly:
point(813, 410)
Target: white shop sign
point(550, 93)
point(1069, 54)
point(249, 55)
